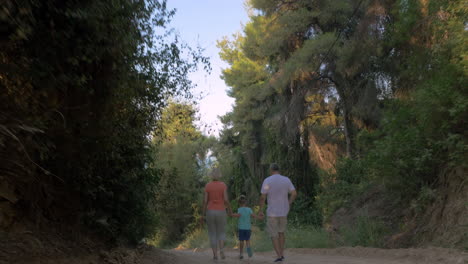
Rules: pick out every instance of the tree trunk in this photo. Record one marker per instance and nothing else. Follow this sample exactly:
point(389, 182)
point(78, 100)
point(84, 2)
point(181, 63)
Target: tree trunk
point(344, 89)
point(348, 130)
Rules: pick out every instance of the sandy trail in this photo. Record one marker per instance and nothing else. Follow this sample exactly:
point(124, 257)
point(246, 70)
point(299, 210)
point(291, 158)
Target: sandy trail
point(356, 255)
point(232, 257)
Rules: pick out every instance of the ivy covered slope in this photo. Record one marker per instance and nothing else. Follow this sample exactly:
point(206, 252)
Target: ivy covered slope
point(350, 97)
point(82, 87)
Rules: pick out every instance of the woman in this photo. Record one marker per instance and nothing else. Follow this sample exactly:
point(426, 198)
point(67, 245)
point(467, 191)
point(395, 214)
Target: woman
point(215, 202)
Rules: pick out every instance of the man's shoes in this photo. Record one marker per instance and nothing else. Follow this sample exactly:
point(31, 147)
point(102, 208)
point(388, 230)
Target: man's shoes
point(278, 260)
point(241, 257)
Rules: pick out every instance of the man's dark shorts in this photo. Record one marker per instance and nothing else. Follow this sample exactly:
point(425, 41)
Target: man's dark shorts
point(244, 234)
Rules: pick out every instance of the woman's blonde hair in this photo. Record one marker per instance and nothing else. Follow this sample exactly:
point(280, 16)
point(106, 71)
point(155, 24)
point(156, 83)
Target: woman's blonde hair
point(215, 174)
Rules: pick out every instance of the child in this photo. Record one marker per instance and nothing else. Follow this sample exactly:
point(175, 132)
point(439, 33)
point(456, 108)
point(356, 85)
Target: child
point(244, 213)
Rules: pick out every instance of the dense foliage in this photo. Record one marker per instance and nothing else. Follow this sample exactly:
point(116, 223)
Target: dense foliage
point(383, 84)
point(182, 153)
point(83, 84)
point(344, 95)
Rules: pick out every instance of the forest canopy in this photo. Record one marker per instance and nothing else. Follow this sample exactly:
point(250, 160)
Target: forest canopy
point(346, 96)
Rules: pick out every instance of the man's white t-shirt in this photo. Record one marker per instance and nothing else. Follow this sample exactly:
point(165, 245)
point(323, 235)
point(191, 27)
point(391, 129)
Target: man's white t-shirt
point(277, 188)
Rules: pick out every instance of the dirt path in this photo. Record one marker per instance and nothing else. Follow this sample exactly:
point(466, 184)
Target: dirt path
point(151, 255)
point(356, 255)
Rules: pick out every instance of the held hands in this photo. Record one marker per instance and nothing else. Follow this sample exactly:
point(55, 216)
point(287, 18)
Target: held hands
point(261, 215)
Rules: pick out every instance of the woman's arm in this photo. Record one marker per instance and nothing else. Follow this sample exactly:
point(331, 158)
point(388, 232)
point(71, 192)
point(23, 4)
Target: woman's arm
point(205, 204)
point(227, 203)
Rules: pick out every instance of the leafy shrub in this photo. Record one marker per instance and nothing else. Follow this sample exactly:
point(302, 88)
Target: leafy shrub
point(91, 78)
point(304, 212)
point(426, 197)
point(367, 232)
point(342, 187)
point(402, 157)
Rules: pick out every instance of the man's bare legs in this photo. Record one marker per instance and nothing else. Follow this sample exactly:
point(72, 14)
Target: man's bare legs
point(277, 246)
point(282, 241)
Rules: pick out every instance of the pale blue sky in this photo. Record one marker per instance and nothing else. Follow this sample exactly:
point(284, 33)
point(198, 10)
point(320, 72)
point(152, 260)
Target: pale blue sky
point(203, 22)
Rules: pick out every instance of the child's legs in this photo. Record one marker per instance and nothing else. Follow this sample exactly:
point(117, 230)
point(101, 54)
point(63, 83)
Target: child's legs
point(244, 235)
point(249, 249)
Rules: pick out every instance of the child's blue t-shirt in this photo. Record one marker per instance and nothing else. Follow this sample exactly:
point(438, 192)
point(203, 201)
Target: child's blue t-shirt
point(244, 219)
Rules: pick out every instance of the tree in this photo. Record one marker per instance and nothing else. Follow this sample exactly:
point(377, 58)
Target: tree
point(180, 153)
point(380, 78)
point(83, 84)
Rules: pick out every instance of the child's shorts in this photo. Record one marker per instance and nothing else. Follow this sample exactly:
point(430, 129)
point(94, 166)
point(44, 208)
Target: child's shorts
point(244, 234)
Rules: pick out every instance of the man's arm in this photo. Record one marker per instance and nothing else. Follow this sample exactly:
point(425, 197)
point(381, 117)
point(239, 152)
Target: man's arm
point(292, 197)
point(257, 216)
point(262, 204)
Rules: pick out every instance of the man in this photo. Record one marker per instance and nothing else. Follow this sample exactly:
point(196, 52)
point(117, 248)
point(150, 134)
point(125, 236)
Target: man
point(276, 189)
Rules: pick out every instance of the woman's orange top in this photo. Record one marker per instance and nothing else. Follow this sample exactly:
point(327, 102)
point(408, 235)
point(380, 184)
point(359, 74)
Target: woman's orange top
point(215, 191)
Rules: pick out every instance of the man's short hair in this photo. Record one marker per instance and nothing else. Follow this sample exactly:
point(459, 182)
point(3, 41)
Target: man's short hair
point(274, 167)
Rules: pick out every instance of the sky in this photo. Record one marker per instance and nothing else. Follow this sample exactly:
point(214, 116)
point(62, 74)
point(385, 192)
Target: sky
point(203, 22)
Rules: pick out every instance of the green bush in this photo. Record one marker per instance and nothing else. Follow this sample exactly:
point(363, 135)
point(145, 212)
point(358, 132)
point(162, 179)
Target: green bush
point(304, 212)
point(426, 196)
point(366, 232)
point(90, 79)
point(340, 188)
point(402, 157)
